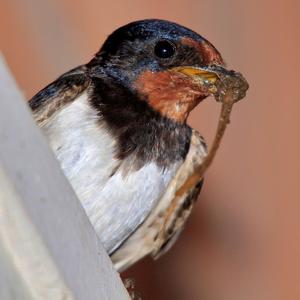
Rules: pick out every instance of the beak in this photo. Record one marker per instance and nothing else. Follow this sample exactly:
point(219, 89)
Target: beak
point(203, 76)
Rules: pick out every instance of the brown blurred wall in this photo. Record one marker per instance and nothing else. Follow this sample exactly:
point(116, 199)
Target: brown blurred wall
point(242, 241)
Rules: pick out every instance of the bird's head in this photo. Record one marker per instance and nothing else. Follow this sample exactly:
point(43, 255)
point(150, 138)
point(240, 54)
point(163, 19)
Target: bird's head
point(163, 63)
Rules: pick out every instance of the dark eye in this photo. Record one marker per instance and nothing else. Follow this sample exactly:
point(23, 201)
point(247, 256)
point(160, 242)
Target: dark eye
point(164, 49)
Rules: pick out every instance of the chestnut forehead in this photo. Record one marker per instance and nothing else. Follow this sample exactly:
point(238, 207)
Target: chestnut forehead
point(206, 50)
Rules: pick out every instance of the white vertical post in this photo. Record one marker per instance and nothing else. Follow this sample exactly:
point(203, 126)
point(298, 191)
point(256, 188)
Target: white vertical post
point(48, 248)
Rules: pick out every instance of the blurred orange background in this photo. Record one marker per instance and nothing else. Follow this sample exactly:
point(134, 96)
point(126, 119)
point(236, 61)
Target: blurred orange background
point(243, 239)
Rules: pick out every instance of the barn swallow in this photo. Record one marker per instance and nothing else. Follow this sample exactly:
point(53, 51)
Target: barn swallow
point(117, 125)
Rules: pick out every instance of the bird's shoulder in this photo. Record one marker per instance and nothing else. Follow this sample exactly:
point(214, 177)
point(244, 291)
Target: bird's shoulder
point(60, 92)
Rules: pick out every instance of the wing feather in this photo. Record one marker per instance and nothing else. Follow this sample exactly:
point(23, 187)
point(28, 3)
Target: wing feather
point(59, 93)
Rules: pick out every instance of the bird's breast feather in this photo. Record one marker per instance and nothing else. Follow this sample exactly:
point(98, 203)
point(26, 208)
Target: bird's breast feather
point(148, 235)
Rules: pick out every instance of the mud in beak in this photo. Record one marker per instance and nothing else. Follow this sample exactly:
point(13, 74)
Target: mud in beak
point(203, 76)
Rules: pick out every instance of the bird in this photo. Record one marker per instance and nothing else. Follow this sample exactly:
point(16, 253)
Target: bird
point(118, 127)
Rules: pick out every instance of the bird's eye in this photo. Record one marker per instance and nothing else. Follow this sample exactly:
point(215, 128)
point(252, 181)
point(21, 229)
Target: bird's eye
point(164, 49)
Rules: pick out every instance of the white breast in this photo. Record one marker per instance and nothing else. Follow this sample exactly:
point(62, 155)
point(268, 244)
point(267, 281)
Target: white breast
point(116, 204)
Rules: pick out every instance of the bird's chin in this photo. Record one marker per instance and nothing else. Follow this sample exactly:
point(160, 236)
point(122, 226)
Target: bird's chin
point(201, 97)
point(175, 92)
point(191, 104)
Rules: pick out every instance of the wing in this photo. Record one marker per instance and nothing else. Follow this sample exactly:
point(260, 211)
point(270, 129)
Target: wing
point(178, 217)
point(59, 93)
point(162, 227)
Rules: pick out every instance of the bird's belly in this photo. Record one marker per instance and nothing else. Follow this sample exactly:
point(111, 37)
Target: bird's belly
point(116, 203)
point(122, 203)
